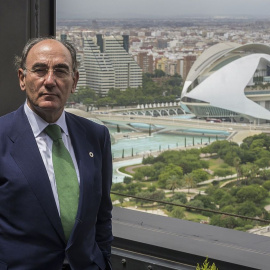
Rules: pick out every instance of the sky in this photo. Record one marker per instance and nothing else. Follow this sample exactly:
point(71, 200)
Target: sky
point(92, 9)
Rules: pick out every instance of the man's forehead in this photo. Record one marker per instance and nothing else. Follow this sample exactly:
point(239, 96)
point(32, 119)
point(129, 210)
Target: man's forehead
point(49, 50)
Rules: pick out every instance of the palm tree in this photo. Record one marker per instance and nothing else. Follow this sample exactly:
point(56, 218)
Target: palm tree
point(189, 180)
point(173, 182)
point(236, 163)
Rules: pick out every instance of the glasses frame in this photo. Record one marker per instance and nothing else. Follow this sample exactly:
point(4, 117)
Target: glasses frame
point(42, 72)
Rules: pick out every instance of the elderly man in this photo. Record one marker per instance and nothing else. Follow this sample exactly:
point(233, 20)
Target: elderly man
point(55, 171)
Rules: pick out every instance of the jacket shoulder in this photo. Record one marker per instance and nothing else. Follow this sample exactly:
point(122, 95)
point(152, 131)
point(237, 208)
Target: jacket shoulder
point(6, 121)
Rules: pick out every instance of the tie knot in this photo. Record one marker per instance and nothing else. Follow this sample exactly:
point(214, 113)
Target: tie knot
point(54, 131)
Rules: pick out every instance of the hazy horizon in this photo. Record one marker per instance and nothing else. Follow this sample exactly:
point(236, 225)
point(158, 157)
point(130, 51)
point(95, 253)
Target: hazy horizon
point(92, 9)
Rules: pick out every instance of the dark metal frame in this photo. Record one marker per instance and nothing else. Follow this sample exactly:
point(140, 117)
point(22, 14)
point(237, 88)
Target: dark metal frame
point(20, 20)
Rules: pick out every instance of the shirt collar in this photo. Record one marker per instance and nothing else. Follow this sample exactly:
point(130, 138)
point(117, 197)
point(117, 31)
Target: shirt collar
point(38, 124)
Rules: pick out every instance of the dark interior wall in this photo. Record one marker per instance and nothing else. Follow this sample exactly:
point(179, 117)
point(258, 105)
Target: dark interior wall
point(20, 20)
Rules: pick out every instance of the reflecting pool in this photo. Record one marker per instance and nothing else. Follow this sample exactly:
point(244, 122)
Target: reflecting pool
point(142, 145)
point(133, 148)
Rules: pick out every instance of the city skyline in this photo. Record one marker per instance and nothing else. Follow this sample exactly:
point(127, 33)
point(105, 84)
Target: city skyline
point(89, 9)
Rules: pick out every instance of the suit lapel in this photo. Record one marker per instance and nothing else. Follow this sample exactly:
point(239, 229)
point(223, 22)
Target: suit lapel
point(27, 156)
point(82, 148)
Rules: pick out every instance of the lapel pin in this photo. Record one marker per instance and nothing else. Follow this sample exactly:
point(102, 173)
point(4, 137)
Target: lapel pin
point(91, 154)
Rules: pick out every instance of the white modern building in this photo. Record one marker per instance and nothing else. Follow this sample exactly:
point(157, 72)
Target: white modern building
point(109, 65)
point(82, 79)
point(230, 82)
point(100, 74)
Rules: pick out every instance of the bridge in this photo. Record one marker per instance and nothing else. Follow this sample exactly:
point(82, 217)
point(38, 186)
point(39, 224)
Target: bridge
point(154, 110)
point(192, 127)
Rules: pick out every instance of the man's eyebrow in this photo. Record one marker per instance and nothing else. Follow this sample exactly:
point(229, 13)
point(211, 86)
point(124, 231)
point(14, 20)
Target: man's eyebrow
point(60, 65)
point(39, 65)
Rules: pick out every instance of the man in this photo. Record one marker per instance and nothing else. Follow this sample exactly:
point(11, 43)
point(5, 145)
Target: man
point(49, 221)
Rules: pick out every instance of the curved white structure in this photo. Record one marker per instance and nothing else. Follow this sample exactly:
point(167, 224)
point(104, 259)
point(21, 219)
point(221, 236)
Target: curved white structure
point(230, 81)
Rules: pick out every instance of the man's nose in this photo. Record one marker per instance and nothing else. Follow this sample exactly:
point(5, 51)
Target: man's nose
point(50, 77)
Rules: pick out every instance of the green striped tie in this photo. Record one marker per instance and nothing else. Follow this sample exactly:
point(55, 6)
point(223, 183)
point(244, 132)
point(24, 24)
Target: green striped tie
point(66, 179)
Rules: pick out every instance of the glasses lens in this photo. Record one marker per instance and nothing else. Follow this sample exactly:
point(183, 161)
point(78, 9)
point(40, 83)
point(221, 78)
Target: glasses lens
point(58, 72)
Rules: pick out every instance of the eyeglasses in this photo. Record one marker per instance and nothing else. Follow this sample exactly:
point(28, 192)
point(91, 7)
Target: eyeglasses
point(59, 72)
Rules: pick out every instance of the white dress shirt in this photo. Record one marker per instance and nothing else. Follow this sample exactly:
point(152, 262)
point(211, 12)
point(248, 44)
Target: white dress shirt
point(44, 143)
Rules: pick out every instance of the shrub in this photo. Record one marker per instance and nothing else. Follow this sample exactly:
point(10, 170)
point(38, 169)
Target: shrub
point(127, 180)
point(206, 266)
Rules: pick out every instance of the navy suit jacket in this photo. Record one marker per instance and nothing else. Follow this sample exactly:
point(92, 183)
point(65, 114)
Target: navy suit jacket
point(31, 234)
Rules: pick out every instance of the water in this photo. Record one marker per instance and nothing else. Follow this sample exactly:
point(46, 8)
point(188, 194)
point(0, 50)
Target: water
point(134, 147)
point(118, 176)
point(157, 142)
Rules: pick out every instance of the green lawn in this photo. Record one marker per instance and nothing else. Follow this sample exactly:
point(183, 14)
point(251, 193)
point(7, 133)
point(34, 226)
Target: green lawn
point(196, 217)
point(218, 163)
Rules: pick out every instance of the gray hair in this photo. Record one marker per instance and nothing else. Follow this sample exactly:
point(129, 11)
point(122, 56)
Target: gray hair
point(21, 60)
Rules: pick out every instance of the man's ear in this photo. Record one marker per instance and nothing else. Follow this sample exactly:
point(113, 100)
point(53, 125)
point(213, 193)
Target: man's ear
point(75, 81)
point(21, 77)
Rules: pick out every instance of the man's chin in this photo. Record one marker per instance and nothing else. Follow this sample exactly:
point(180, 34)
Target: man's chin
point(49, 112)
point(49, 106)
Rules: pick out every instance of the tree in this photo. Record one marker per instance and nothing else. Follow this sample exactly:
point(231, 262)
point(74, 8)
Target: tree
point(206, 200)
point(113, 93)
point(158, 195)
point(180, 196)
point(85, 95)
point(178, 212)
point(250, 170)
point(127, 180)
point(227, 199)
point(145, 173)
point(152, 188)
point(195, 203)
point(168, 171)
point(133, 188)
point(144, 195)
point(88, 102)
point(148, 160)
point(263, 162)
point(254, 169)
point(222, 172)
point(104, 101)
point(266, 140)
point(228, 209)
point(265, 174)
point(248, 209)
point(236, 164)
point(175, 80)
point(118, 187)
point(173, 182)
point(266, 185)
point(254, 193)
point(231, 155)
point(159, 73)
point(86, 92)
point(225, 221)
point(177, 198)
point(189, 180)
point(170, 156)
point(200, 175)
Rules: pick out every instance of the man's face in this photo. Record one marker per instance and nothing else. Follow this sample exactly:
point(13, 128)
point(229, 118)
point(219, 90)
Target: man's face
point(48, 79)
